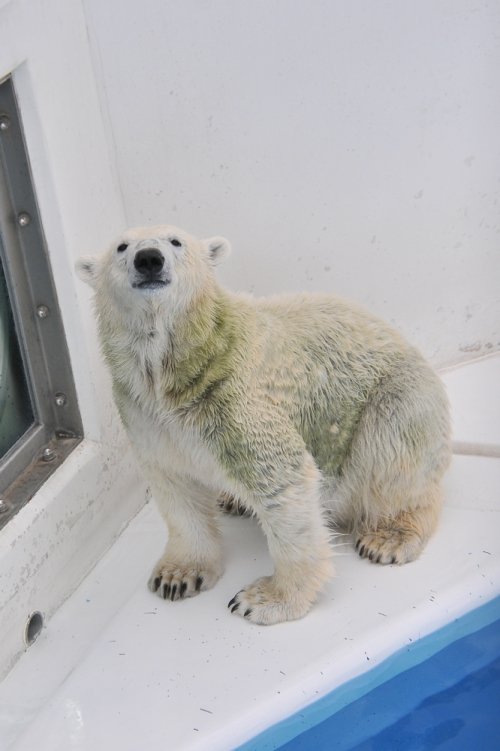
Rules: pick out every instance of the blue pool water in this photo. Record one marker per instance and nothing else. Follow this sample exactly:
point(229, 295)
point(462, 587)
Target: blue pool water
point(441, 693)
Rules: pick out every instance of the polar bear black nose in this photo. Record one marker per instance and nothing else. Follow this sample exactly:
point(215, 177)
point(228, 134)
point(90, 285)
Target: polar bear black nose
point(149, 262)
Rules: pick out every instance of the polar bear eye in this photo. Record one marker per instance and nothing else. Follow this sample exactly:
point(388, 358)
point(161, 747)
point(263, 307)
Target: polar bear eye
point(122, 247)
point(176, 243)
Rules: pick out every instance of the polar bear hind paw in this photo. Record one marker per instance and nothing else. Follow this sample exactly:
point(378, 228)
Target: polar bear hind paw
point(228, 504)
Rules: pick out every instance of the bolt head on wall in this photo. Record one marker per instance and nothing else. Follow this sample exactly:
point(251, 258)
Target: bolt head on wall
point(23, 219)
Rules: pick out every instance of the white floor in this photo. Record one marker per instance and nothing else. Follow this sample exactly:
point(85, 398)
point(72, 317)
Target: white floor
point(119, 669)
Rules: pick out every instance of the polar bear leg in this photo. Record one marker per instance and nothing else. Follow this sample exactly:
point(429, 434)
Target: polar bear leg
point(192, 561)
point(392, 479)
point(299, 544)
point(400, 538)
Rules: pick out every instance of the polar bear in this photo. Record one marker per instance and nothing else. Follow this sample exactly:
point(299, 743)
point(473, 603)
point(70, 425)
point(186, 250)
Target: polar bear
point(306, 410)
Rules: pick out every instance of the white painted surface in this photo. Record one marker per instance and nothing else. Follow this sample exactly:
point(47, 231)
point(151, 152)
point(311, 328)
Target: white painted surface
point(47, 549)
point(345, 147)
point(475, 394)
point(190, 675)
point(119, 668)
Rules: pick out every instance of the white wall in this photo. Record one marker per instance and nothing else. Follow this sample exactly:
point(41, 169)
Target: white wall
point(342, 146)
point(51, 544)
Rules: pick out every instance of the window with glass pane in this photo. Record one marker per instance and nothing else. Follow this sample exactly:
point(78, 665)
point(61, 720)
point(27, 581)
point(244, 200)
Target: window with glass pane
point(39, 418)
point(16, 413)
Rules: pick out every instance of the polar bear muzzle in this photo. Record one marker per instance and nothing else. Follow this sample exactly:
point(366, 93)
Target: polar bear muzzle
point(150, 270)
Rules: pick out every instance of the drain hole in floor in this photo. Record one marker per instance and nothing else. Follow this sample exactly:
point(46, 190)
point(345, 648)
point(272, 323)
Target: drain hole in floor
point(33, 627)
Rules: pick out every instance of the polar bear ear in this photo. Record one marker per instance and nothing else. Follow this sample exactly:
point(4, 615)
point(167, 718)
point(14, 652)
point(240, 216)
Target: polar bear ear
point(218, 248)
point(87, 269)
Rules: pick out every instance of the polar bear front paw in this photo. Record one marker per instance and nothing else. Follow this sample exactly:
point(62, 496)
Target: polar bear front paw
point(172, 581)
point(262, 603)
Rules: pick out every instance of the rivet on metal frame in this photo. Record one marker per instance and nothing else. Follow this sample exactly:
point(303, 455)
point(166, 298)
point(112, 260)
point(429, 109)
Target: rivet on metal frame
point(4, 122)
point(23, 219)
point(42, 311)
point(60, 399)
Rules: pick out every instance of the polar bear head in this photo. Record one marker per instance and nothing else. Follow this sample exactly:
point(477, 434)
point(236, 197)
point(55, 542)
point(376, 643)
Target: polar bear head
point(160, 265)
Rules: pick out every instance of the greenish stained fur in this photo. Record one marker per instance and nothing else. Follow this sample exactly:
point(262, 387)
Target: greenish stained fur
point(261, 396)
point(215, 339)
point(262, 385)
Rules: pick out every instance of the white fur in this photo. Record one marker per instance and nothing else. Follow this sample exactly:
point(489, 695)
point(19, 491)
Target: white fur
point(279, 404)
